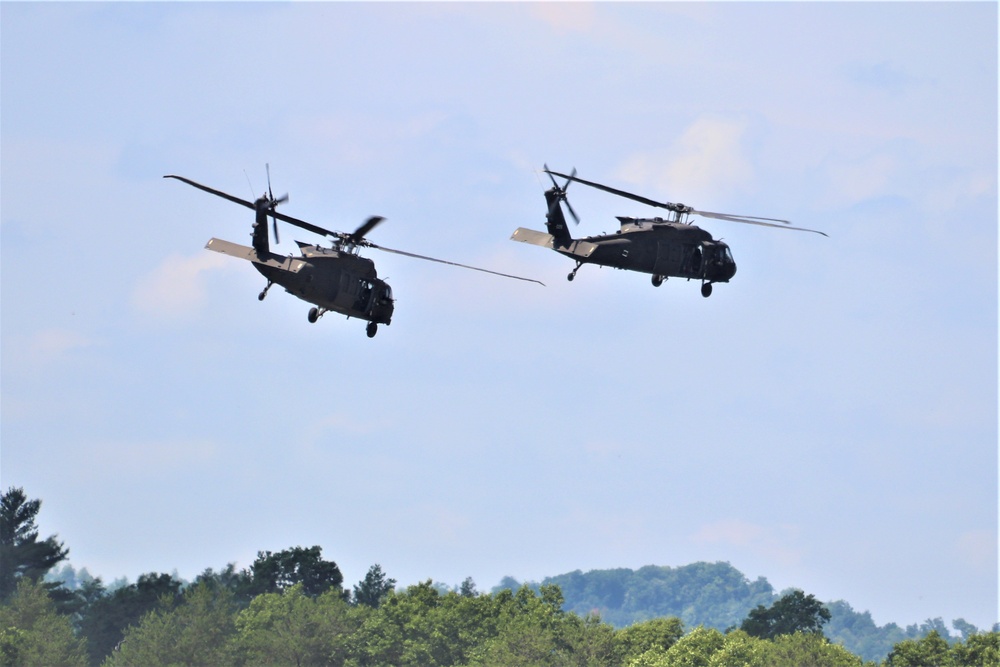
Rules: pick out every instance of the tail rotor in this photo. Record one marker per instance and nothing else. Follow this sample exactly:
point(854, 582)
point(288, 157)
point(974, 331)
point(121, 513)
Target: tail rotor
point(272, 203)
point(560, 193)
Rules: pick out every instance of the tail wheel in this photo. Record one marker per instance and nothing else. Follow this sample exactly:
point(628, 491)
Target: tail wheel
point(313, 315)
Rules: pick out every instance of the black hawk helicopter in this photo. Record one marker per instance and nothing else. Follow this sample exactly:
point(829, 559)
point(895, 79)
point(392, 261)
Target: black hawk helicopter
point(334, 279)
point(664, 248)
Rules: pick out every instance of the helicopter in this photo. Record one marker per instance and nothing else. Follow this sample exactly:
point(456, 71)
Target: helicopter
point(334, 279)
point(665, 248)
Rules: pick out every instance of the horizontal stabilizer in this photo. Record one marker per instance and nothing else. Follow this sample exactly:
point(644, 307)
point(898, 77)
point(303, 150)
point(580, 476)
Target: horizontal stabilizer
point(573, 247)
point(533, 237)
point(251, 255)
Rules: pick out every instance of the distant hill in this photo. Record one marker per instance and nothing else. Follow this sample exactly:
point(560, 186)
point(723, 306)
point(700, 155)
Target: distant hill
point(711, 594)
point(715, 595)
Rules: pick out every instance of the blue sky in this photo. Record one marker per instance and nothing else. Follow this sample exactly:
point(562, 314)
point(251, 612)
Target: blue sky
point(827, 420)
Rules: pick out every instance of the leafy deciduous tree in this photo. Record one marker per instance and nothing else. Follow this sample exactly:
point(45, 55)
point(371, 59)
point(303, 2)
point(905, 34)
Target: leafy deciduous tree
point(930, 651)
point(293, 628)
point(272, 573)
point(794, 612)
point(194, 632)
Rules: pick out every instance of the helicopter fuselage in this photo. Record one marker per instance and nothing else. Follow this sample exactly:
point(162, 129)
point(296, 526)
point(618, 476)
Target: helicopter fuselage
point(333, 280)
point(661, 248)
point(656, 246)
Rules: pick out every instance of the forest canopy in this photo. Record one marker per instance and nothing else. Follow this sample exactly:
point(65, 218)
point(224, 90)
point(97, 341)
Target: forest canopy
point(292, 607)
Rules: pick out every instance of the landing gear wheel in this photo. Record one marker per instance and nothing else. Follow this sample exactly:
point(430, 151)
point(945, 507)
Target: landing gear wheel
point(571, 276)
point(657, 281)
point(260, 297)
point(706, 290)
point(372, 329)
point(313, 315)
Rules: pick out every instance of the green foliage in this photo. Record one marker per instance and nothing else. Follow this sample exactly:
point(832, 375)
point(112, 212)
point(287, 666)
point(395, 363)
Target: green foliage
point(272, 573)
point(194, 632)
point(21, 553)
point(639, 638)
point(373, 588)
point(104, 622)
point(808, 648)
point(930, 651)
point(792, 613)
point(715, 595)
point(32, 632)
point(534, 631)
point(424, 626)
point(858, 632)
point(695, 649)
point(293, 628)
point(741, 650)
point(978, 650)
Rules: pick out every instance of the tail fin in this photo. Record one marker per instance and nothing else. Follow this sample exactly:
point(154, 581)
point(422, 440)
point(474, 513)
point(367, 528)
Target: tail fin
point(555, 221)
point(260, 242)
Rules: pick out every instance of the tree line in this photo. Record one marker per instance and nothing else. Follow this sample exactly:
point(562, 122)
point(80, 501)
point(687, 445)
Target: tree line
point(292, 608)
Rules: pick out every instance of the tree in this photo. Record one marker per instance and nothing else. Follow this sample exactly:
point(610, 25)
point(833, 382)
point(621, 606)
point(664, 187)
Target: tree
point(32, 632)
point(272, 573)
point(104, 622)
point(741, 650)
point(978, 650)
point(373, 588)
point(695, 649)
point(930, 651)
point(293, 628)
point(657, 633)
point(194, 632)
point(21, 553)
point(808, 648)
point(468, 588)
point(794, 612)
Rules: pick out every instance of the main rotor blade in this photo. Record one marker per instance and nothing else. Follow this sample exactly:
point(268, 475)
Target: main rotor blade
point(748, 220)
point(622, 193)
point(442, 261)
point(315, 229)
point(217, 193)
point(368, 225)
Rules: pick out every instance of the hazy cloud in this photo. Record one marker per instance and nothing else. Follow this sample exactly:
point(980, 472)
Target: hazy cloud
point(175, 289)
point(708, 157)
point(774, 543)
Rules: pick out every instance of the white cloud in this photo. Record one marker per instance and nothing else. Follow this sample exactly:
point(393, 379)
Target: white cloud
point(175, 288)
point(708, 158)
point(565, 16)
point(53, 344)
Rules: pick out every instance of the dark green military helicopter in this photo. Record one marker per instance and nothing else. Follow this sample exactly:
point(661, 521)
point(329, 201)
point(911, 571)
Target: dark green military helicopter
point(334, 279)
point(664, 248)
